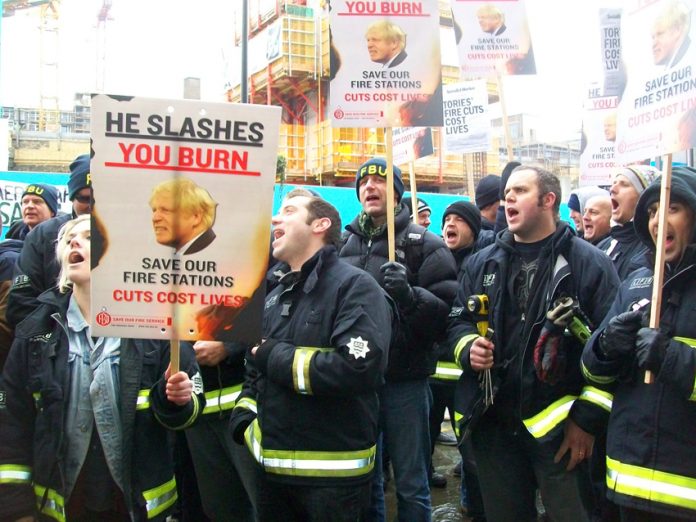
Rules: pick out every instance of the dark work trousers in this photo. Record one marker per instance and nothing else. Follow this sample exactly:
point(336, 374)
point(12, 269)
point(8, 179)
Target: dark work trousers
point(511, 463)
point(443, 397)
point(188, 507)
point(293, 503)
point(636, 515)
point(228, 475)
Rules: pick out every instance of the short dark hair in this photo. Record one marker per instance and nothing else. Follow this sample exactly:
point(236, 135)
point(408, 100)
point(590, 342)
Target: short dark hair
point(547, 182)
point(318, 208)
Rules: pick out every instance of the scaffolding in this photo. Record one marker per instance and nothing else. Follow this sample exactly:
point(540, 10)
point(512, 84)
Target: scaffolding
point(295, 76)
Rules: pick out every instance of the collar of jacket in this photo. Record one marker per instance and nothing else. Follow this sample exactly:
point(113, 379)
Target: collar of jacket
point(624, 233)
point(558, 244)
point(362, 224)
point(52, 301)
point(310, 271)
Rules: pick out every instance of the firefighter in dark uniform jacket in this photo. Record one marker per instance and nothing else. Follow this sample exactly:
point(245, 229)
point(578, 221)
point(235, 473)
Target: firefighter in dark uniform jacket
point(543, 417)
point(651, 469)
point(327, 328)
point(83, 420)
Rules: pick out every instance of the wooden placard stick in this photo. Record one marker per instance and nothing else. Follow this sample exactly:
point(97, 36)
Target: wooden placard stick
point(506, 125)
point(659, 275)
point(391, 241)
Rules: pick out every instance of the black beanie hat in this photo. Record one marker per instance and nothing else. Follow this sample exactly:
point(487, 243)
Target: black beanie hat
point(487, 190)
point(683, 189)
point(511, 165)
point(79, 175)
point(468, 212)
point(422, 205)
point(48, 193)
point(378, 167)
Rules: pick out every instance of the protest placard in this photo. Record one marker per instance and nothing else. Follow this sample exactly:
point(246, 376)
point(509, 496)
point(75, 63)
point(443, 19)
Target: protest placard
point(385, 68)
point(492, 38)
point(411, 143)
point(466, 117)
point(599, 127)
point(180, 229)
point(657, 112)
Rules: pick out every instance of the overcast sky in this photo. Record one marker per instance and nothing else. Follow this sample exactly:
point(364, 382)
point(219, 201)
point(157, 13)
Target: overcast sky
point(152, 45)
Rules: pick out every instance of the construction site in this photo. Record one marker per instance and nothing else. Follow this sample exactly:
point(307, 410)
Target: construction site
point(288, 66)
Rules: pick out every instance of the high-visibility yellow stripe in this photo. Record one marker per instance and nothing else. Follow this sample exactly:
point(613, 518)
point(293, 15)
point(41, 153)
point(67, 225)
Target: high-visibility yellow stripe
point(300, 367)
point(54, 506)
point(457, 417)
point(309, 463)
point(217, 401)
point(247, 403)
point(15, 474)
point(692, 343)
point(447, 371)
point(143, 401)
point(160, 498)
point(598, 379)
point(596, 396)
point(550, 417)
point(461, 344)
point(653, 485)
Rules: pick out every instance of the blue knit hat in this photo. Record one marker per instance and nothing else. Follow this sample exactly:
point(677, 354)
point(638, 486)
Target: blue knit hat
point(48, 193)
point(79, 175)
point(378, 167)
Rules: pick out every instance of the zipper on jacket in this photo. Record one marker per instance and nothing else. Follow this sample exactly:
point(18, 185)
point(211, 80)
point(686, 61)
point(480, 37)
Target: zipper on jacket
point(529, 335)
point(367, 253)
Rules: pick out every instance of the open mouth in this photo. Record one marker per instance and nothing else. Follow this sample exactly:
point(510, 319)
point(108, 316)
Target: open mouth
point(372, 197)
point(511, 212)
point(451, 234)
point(614, 204)
point(277, 234)
point(75, 257)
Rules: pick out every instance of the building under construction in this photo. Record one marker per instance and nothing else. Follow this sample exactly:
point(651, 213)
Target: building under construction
point(288, 65)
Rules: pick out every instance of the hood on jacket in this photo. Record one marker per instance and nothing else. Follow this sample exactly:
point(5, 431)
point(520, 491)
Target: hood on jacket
point(683, 189)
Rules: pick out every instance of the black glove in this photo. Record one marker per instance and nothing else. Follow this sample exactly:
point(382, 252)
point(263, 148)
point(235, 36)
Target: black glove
point(651, 345)
point(618, 340)
point(395, 282)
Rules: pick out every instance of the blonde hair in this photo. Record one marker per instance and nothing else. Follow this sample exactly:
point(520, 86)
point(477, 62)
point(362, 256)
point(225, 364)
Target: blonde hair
point(389, 31)
point(188, 198)
point(63, 249)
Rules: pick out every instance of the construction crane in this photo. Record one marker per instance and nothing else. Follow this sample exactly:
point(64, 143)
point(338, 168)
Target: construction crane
point(103, 16)
point(49, 116)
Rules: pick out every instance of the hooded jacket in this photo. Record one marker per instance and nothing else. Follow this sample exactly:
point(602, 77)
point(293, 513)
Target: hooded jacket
point(568, 266)
point(650, 448)
point(432, 276)
point(35, 387)
point(625, 249)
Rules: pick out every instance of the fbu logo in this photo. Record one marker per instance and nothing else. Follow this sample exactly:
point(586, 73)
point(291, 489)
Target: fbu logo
point(34, 189)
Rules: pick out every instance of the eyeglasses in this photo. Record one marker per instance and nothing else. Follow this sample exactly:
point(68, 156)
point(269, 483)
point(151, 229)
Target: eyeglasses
point(81, 198)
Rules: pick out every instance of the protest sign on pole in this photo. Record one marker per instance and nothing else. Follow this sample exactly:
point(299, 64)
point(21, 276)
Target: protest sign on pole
point(657, 111)
point(599, 127)
point(610, 51)
point(411, 143)
point(183, 198)
point(492, 38)
point(385, 67)
point(467, 118)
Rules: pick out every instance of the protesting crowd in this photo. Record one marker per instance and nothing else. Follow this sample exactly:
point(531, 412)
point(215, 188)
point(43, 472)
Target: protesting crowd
point(533, 333)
